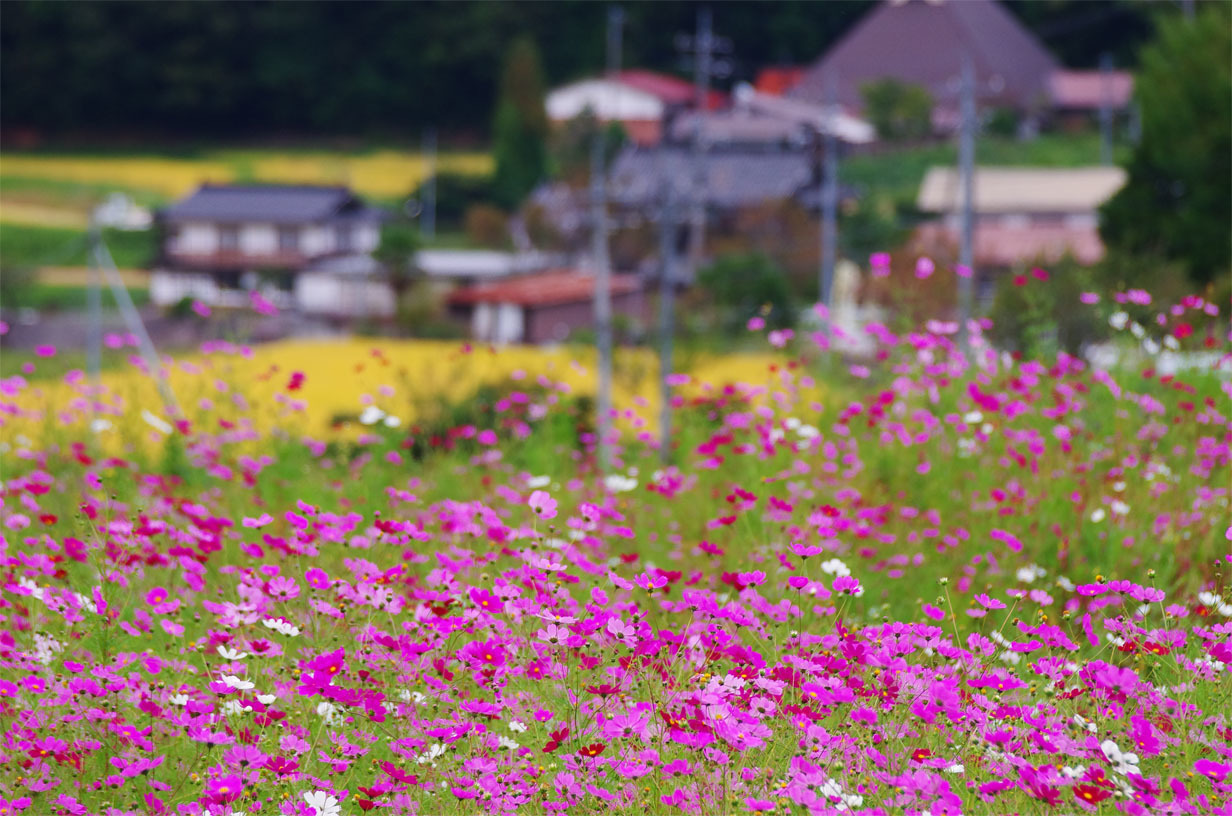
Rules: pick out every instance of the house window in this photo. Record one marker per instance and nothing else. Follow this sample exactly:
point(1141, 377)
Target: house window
point(343, 238)
point(288, 239)
point(228, 238)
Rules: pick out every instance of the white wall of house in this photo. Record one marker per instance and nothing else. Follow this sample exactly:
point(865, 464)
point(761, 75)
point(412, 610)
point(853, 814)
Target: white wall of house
point(202, 238)
point(499, 323)
point(195, 238)
point(167, 288)
point(258, 239)
point(367, 237)
point(316, 239)
point(343, 295)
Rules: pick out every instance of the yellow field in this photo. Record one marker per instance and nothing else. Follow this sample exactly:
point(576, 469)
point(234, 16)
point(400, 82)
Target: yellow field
point(383, 174)
point(407, 379)
point(41, 215)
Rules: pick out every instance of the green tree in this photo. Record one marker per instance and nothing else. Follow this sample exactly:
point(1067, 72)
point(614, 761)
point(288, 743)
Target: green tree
point(747, 284)
point(520, 129)
point(1177, 202)
point(396, 251)
point(899, 110)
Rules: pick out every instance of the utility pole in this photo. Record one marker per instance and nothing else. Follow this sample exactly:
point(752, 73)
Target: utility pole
point(966, 172)
point(427, 219)
point(602, 262)
point(829, 195)
point(1105, 108)
point(667, 296)
point(94, 352)
point(702, 47)
point(102, 262)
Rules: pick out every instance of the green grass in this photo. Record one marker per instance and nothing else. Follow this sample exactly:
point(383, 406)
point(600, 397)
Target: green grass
point(15, 361)
point(76, 194)
point(898, 175)
point(49, 297)
point(23, 246)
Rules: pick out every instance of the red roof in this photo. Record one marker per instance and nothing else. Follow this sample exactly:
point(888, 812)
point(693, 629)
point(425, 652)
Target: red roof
point(778, 81)
point(543, 289)
point(671, 90)
point(1085, 89)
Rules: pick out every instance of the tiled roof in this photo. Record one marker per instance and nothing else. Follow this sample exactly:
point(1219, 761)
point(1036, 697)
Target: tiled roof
point(546, 289)
point(287, 204)
point(922, 42)
point(734, 178)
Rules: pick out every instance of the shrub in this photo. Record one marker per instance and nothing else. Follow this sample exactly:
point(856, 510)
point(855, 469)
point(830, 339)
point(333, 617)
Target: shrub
point(1038, 312)
point(487, 226)
point(900, 111)
point(747, 284)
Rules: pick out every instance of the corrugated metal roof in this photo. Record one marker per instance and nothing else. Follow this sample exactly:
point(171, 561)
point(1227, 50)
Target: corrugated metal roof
point(270, 203)
point(1023, 189)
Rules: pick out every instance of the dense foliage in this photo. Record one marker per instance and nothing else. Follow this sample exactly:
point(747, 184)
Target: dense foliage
point(341, 68)
point(1177, 203)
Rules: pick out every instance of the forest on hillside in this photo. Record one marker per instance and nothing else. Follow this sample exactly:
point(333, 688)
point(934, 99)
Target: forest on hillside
point(244, 69)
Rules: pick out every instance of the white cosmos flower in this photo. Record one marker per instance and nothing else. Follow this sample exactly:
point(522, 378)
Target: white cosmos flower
point(517, 726)
point(178, 699)
point(227, 653)
point(1098, 515)
point(392, 422)
point(266, 699)
point(619, 484)
point(505, 742)
point(835, 567)
point(323, 803)
point(539, 481)
point(237, 683)
point(956, 768)
point(371, 415)
point(1122, 762)
point(328, 712)
point(1119, 320)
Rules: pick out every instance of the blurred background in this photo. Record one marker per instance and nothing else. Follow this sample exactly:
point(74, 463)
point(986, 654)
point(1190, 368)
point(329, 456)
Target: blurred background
point(471, 169)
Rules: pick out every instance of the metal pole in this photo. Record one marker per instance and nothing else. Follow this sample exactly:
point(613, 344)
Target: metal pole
point(1105, 109)
point(966, 161)
point(602, 263)
point(94, 351)
point(702, 47)
point(102, 259)
point(427, 220)
point(829, 195)
point(667, 294)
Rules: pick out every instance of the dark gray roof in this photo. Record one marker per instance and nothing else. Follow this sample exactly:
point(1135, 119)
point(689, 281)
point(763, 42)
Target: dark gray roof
point(733, 178)
point(282, 204)
point(922, 42)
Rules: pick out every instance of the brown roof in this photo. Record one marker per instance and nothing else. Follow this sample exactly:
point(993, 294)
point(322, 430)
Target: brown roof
point(546, 289)
point(1023, 189)
point(922, 42)
point(1085, 90)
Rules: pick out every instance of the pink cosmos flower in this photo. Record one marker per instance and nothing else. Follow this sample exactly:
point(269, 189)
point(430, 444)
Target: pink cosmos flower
point(543, 504)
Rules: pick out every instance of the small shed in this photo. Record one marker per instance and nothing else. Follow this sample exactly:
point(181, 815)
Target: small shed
point(542, 308)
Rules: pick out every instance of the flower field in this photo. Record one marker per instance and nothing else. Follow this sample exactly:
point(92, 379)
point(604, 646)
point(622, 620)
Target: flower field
point(379, 174)
point(389, 577)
